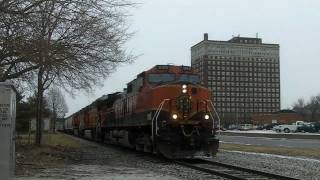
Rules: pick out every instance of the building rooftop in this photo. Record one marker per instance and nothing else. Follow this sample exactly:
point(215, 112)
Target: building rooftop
point(237, 40)
point(246, 40)
point(285, 111)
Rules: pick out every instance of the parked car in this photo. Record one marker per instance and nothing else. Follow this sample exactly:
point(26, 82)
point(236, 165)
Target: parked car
point(316, 126)
point(288, 128)
point(233, 127)
point(267, 127)
point(306, 128)
point(245, 127)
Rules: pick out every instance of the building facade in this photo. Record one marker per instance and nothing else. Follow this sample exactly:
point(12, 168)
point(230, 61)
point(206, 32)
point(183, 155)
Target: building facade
point(243, 74)
point(280, 117)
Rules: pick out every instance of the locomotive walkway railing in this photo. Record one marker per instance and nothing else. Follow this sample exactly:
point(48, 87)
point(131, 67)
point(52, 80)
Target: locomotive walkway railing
point(214, 109)
point(155, 118)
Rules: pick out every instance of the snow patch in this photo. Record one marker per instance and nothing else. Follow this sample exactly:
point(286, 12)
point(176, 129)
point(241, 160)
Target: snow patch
point(267, 132)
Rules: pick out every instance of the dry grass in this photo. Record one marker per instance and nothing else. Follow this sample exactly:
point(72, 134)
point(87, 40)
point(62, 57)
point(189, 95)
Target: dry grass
point(61, 140)
point(312, 153)
point(56, 150)
point(52, 140)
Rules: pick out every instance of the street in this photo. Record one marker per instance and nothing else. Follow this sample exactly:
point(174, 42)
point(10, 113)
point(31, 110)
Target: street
point(271, 142)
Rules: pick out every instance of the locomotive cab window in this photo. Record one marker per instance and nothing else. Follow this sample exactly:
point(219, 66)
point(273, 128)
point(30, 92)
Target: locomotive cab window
point(161, 78)
point(189, 78)
point(162, 67)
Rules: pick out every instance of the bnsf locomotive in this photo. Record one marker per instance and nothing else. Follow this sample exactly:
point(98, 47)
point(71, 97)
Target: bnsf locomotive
point(164, 110)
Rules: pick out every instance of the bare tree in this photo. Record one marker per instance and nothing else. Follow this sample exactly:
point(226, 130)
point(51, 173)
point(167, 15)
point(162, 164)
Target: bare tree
point(56, 104)
point(76, 43)
point(16, 53)
point(18, 7)
point(300, 107)
point(71, 43)
point(314, 106)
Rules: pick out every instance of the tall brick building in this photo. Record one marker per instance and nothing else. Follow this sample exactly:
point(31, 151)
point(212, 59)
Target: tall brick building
point(243, 74)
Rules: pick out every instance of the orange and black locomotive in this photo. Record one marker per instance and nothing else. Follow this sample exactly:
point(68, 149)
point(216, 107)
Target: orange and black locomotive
point(164, 110)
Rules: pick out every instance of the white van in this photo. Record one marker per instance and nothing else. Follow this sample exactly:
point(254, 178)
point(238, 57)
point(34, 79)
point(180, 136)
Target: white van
point(245, 127)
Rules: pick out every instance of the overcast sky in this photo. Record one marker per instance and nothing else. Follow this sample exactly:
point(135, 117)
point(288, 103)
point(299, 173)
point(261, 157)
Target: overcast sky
point(166, 29)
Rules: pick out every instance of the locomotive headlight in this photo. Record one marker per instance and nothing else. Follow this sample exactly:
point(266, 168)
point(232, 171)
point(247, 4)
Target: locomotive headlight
point(184, 91)
point(174, 116)
point(206, 117)
point(184, 86)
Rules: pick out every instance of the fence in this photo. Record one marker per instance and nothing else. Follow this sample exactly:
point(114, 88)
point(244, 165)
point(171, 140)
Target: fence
point(25, 139)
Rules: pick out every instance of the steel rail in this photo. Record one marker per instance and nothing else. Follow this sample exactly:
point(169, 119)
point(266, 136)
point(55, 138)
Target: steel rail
point(210, 171)
point(267, 174)
point(231, 171)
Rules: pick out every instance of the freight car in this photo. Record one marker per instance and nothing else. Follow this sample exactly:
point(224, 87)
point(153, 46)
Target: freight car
point(68, 126)
point(165, 110)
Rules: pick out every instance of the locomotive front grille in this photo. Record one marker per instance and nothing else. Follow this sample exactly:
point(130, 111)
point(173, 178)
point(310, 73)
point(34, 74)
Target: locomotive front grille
point(184, 104)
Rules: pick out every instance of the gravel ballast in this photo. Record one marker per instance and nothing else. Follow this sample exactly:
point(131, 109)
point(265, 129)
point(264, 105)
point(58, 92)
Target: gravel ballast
point(96, 162)
point(297, 167)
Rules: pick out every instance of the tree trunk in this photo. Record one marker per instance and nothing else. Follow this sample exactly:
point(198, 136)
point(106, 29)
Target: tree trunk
point(54, 119)
point(39, 107)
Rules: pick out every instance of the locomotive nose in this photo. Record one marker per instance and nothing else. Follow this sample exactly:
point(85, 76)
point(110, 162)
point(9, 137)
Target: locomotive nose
point(188, 104)
point(184, 104)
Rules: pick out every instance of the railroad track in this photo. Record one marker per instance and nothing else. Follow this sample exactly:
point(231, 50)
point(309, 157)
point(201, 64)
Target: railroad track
point(219, 169)
point(229, 171)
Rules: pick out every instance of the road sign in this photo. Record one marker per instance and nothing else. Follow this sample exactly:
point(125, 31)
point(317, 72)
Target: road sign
point(7, 130)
